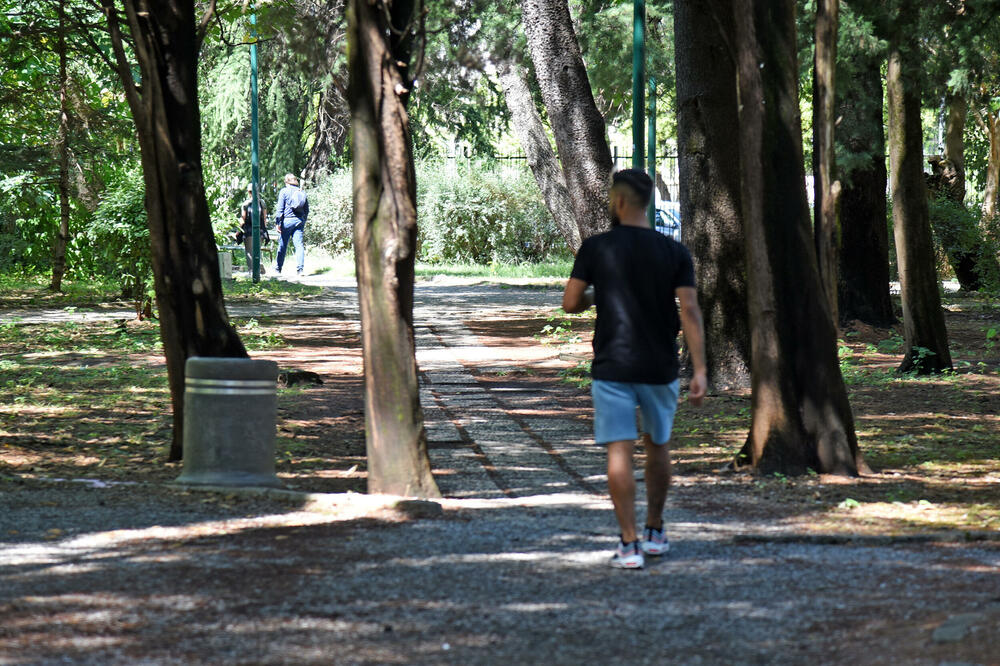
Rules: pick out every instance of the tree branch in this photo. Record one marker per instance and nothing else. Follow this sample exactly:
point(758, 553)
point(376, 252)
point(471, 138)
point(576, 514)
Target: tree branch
point(121, 61)
point(205, 20)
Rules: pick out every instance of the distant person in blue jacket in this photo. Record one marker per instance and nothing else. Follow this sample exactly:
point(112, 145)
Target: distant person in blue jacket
point(290, 216)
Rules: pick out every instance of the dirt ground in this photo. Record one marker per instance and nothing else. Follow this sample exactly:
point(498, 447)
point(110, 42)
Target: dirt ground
point(816, 569)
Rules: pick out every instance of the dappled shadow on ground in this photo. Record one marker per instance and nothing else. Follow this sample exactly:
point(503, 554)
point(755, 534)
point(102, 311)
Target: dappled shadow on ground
point(488, 582)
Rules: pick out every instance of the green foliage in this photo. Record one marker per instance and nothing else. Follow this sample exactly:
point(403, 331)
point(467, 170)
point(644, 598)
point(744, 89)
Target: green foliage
point(476, 213)
point(957, 231)
point(483, 214)
point(605, 35)
point(118, 236)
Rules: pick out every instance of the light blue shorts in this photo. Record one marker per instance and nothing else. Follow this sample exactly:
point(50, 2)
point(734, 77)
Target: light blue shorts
point(614, 410)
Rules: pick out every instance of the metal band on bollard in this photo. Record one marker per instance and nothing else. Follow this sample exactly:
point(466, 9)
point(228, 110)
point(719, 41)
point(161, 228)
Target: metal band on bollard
point(230, 412)
point(228, 386)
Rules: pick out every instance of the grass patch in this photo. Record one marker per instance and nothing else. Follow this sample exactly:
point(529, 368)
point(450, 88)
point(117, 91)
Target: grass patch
point(30, 291)
point(552, 269)
point(99, 338)
point(242, 289)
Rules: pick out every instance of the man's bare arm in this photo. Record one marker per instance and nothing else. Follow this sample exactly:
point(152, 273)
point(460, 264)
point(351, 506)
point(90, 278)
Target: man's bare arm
point(576, 298)
point(694, 340)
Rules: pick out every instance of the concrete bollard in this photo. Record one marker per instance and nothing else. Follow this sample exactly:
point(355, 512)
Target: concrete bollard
point(230, 414)
point(226, 265)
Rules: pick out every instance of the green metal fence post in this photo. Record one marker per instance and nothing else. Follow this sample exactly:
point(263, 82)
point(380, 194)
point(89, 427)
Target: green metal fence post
point(254, 153)
point(638, 82)
point(651, 149)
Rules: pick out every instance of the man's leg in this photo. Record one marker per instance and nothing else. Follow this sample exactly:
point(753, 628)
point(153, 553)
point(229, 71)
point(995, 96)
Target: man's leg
point(282, 247)
point(657, 480)
point(621, 484)
point(298, 236)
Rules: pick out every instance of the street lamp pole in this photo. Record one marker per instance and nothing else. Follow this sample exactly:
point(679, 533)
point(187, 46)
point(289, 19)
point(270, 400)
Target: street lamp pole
point(651, 149)
point(254, 153)
point(638, 83)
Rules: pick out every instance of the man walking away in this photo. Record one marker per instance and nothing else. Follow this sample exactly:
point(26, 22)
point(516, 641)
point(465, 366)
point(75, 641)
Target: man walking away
point(636, 272)
point(290, 216)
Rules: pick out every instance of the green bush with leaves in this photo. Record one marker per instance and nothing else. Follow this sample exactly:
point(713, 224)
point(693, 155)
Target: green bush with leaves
point(118, 236)
point(476, 212)
point(957, 232)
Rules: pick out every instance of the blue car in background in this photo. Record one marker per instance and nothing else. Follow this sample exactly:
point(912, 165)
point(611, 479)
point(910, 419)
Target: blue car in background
point(668, 219)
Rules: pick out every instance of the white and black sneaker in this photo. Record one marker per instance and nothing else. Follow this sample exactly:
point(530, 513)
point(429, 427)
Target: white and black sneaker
point(654, 541)
point(628, 556)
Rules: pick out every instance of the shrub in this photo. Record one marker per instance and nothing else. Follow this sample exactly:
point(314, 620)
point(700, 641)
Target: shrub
point(957, 232)
point(475, 212)
point(118, 236)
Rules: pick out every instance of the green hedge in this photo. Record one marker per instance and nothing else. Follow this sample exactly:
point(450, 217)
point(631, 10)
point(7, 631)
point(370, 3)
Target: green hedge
point(468, 213)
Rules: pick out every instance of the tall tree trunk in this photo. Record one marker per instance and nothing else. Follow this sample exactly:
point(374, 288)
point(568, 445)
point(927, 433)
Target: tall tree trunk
point(576, 123)
point(826, 227)
point(193, 319)
point(385, 236)
point(923, 320)
point(541, 158)
point(800, 415)
point(863, 285)
point(991, 193)
point(954, 144)
point(708, 135)
point(959, 234)
point(330, 134)
point(62, 141)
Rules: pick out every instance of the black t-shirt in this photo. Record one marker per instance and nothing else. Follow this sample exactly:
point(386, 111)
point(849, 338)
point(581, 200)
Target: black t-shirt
point(635, 272)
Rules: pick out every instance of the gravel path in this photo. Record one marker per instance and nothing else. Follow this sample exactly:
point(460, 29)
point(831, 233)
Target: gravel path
point(513, 570)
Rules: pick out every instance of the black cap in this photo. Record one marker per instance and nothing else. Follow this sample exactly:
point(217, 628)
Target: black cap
point(638, 180)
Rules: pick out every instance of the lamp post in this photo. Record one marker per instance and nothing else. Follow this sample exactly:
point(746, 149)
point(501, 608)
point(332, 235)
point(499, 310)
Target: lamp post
point(651, 149)
point(638, 82)
point(254, 154)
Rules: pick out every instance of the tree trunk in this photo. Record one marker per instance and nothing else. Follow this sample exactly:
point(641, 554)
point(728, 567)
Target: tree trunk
point(826, 227)
point(385, 235)
point(959, 234)
point(863, 285)
point(576, 123)
point(954, 144)
point(193, 319)
point(62, 146)
point(923, 320)
point(800, 415)
point(708, 135)
point(990, 195)
point(541, 158)
point(330, 135)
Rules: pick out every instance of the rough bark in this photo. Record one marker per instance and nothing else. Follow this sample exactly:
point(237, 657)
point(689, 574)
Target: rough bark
point(826, 228)
point(800, 415)
point(385, 235)
point(576, 123)
point(62, 147)
point(193, 319)
point(708, 136)
point(541, 158)
point(863, 283)
point(954, 143)
point(992, 189)
point(923, 320)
